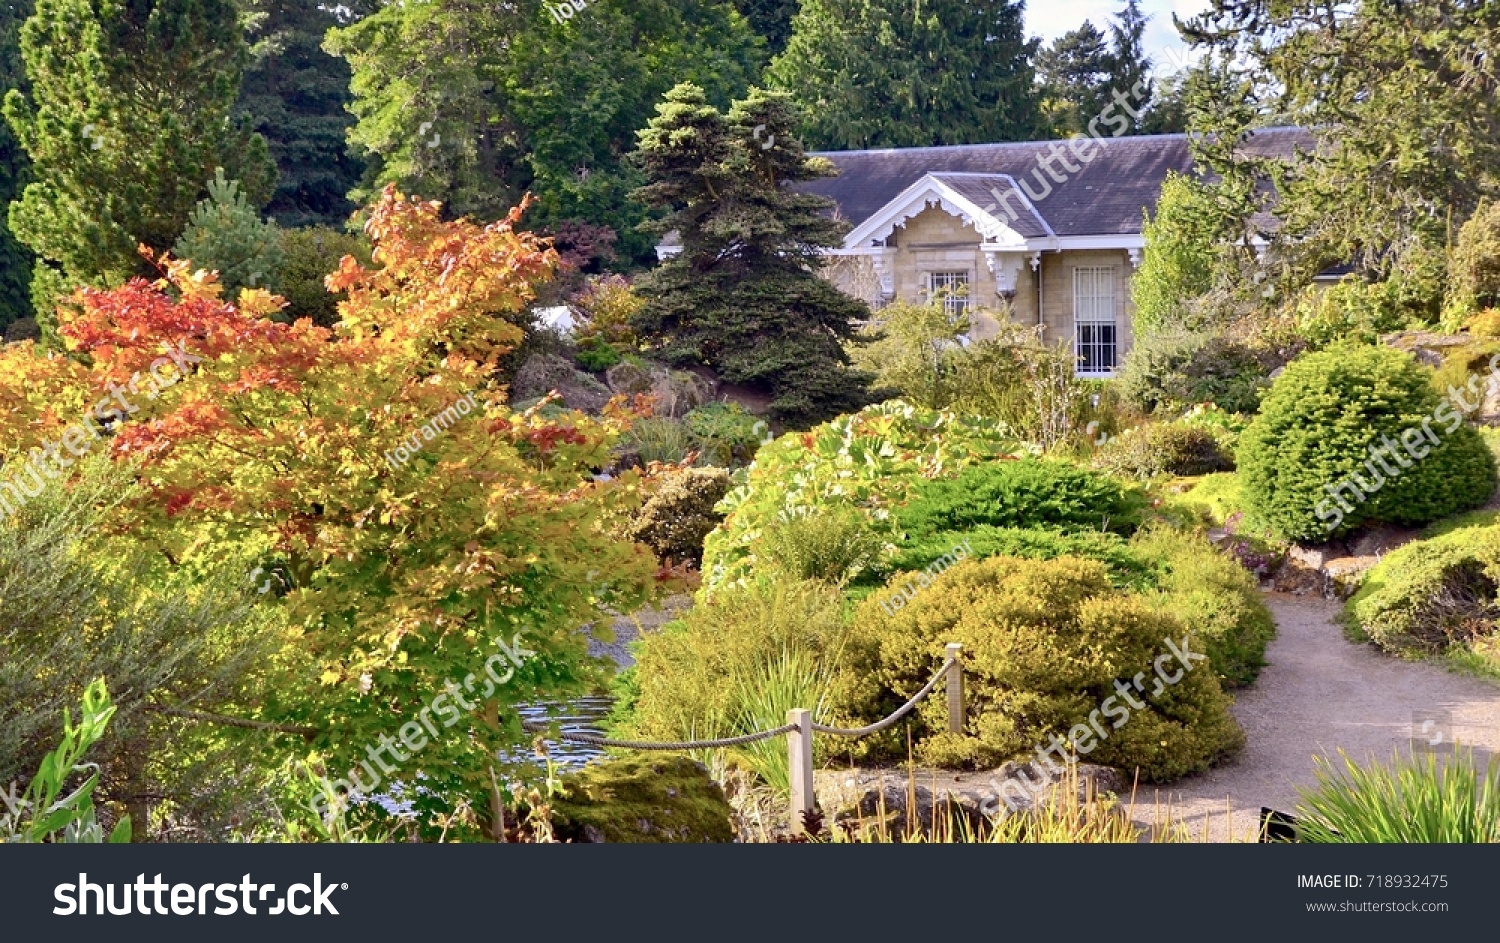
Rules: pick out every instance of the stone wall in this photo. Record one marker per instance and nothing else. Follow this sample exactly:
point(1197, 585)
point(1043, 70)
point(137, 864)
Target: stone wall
point(934, 241)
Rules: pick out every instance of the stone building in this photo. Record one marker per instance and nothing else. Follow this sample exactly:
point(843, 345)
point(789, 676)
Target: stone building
point(1046, 233)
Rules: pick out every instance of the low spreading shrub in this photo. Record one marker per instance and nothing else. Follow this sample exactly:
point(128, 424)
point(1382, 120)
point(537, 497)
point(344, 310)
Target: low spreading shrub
point(1307, 463)
point(1045, 642)
point(641, 799)
point(1164, 448)
point(869, 461)
point(1432, 595)
point(1485, 324)
point(675, 520)
point(986, 541)
point(1022, 493)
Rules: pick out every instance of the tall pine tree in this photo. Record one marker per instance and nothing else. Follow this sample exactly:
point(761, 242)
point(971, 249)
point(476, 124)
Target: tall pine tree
point(15, 260)
point(1083, 69)
point(744, 296)
point(126, 114)
point(295, 95)
point(1077, 72)
point(475, 104)
point(910, 73)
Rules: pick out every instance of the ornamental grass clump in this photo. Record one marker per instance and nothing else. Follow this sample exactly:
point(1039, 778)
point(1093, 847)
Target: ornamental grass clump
point(1410, 801)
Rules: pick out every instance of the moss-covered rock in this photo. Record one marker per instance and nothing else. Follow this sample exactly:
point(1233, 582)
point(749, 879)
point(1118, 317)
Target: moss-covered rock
point(642, 799)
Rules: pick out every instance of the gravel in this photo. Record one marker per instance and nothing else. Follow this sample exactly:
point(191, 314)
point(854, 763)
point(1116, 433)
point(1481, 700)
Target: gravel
point(1319, 694)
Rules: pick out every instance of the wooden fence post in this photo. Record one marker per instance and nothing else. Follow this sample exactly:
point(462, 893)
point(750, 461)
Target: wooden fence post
point(956, 688)
point(799, 747)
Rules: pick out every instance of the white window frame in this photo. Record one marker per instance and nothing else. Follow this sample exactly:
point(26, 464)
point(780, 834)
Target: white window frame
point(1094, 308)
point(953, 304)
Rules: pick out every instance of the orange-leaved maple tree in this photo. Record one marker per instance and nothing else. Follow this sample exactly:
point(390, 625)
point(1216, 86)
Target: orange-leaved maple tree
point(407, 539)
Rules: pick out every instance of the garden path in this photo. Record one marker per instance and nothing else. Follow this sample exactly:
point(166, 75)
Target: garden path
point(1321, 693)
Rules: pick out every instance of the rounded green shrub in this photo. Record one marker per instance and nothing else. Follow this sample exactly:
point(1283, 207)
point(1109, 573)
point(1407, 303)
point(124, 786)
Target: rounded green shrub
point(1432, 594)
point(1213, 596)
point(309, 255)
point(1164, 448)
point(1026, 492)
point(1308, 463)
point(675, 520)
point(1045, 642)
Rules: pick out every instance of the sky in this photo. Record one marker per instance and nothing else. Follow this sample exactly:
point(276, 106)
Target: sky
point(1049, 19)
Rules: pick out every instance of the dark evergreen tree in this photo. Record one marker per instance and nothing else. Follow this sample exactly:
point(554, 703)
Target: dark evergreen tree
point(1083, 71)
point(15, 260)
point(126, 113)
point(476, 104)
point(296, 95)
point(744, 296)
point(904, 73)
point(1131, 67)
point(1077, 73)
point(772, 19)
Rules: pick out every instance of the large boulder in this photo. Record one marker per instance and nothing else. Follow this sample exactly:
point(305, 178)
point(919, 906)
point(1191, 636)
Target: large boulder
point(642, 798)
point(857, 799)
point(1429, 347)
point(675, 391)
point(544, 373)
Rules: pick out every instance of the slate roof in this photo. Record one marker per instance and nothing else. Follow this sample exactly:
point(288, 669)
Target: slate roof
point(1107, 196)
point(999, 194)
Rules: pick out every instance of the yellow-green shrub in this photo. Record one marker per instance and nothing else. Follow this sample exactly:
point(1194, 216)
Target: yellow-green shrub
point(675, 520)
point(1044, 642)
point(1433, 594)
point(1213, 596)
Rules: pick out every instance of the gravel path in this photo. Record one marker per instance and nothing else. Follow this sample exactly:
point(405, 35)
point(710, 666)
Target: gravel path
point(1320, 693)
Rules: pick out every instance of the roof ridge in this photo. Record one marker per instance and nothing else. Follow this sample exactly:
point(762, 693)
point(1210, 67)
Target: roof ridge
point(1180, 135)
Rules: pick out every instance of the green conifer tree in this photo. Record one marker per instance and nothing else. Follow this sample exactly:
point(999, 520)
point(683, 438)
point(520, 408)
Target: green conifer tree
point(903, 73)
point(226, 235)
point(126, 112)
point(744, 296)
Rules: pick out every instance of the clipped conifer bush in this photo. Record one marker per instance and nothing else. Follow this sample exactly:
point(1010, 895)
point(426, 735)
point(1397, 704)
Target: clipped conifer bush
point(1307, 464)
point(1045, 642)
point(675, 520)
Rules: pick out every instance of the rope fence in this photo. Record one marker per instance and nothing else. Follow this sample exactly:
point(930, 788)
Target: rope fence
point(799, 731)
